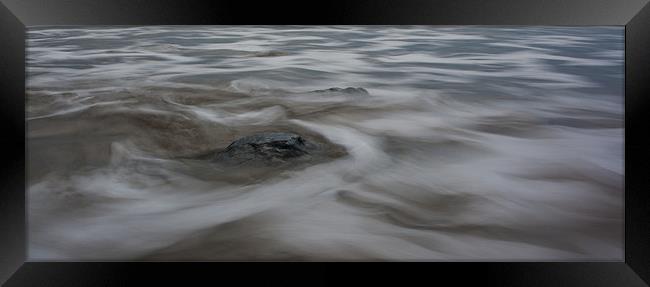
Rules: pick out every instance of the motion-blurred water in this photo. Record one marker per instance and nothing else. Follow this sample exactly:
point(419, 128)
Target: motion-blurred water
point(474, 143)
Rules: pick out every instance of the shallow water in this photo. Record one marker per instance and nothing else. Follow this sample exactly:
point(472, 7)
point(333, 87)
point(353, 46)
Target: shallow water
point(474, 143)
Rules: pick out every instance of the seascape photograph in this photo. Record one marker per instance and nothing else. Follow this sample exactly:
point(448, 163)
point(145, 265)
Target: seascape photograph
point(325, 143)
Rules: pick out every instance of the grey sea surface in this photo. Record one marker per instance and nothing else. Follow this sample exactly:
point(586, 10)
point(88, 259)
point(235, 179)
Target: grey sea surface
point(471, 143)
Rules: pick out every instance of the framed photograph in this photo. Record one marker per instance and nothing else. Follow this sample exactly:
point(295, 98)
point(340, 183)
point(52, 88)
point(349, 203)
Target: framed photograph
point(493, 142)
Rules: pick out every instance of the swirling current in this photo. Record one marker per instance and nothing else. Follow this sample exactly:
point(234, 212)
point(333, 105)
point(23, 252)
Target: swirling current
point(471, 143)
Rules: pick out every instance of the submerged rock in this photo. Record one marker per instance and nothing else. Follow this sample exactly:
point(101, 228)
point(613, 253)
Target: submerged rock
point(348, 90)
point(267, 148)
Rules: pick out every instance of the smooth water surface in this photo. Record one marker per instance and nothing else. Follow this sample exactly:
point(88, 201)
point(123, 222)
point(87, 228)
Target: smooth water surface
point(473, 143)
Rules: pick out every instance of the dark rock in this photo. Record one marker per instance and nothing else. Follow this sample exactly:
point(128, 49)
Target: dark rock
point(348, 90)
point(267, 148)
point(269, 54)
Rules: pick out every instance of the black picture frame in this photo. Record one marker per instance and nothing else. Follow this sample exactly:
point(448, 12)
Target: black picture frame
point(15, 15)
